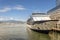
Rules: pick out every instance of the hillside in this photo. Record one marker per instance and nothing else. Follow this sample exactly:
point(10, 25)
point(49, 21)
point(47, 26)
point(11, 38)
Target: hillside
point(12, 21)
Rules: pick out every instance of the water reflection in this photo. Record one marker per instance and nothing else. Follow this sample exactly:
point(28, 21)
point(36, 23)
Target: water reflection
point(37, 36)
point(40, 36)
point(54, 35)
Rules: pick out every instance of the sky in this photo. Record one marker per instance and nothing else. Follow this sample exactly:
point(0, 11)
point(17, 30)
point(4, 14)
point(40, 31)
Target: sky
point(22, 9)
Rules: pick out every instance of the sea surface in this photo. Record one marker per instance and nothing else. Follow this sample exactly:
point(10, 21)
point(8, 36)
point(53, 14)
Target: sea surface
point(21, 32)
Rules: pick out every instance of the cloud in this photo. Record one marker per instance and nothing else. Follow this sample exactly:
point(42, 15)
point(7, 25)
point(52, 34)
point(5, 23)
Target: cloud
point(36, 11)
point(5, 9)
point(17, 7)
point(2, 18)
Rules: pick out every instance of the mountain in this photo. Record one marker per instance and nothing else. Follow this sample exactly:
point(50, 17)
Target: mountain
point(13, 21)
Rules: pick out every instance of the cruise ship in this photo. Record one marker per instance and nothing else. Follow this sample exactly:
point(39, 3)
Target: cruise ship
point(45, 22)
point(41, 22)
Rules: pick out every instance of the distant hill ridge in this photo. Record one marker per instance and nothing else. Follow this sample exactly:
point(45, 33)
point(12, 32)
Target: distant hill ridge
point(13, 21)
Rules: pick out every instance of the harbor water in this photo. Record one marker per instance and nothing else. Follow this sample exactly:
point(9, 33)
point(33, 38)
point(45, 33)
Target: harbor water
point(21, 32)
